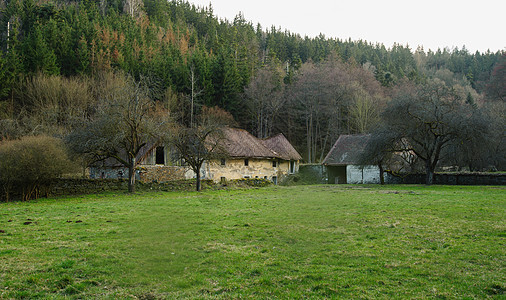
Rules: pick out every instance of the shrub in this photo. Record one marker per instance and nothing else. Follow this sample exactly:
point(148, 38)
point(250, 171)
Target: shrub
point(28, 165)
point(254, 182)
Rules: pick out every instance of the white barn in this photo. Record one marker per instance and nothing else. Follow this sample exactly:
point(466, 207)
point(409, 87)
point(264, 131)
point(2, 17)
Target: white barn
point(343, 162)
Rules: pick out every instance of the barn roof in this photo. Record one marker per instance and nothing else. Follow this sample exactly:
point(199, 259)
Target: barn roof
point(240, 143)
point(347, 150)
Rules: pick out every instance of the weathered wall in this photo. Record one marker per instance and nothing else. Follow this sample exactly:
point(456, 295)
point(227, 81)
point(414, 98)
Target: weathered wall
point(160, 173)
point(359, 175)
point(92, 186)
point(236, 169)
point(145, 173)
point(109, 173)
point(233, 169)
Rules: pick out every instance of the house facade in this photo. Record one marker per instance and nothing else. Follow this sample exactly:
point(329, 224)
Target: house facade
point(245, 157)
point(343, 162)
point(156, 163)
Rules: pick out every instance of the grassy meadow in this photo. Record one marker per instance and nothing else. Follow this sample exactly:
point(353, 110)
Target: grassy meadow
point(322, 241)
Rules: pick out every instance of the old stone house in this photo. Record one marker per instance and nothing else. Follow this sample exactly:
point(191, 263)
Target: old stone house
point(250, 157)
point(246, 157)
point(343, 162)
point(155, 163)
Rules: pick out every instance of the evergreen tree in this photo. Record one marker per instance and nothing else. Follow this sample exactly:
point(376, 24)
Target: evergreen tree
point(38, 56)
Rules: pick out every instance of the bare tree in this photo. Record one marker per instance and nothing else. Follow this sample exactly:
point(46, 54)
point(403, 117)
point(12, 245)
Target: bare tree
point(364, 112)
point(425, 120)
point(203, 142)
point(134, 8)
point(321, 96)
point(264, 99)
point(121, 128)
point(196, 145)
point(53, 104)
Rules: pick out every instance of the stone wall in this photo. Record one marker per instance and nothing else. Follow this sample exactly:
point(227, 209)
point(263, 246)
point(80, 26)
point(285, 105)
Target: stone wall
point(160, 173)
point(109, 173)
point(82, 186)
point(145, 173)
point(317, 174)
point(450, 178)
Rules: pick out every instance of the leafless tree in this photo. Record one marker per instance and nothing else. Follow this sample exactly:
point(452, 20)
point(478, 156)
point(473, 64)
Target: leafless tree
point(425, 120)
point(203, 142)
point(264, 99)
point(121, 128)
point(332, 98)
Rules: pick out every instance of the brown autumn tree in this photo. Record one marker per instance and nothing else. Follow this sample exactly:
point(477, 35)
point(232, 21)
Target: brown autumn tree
point(496, 87)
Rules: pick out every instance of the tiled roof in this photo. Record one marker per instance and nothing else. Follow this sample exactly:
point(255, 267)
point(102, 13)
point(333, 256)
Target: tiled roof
point(347, 150)
point(240, 143)
point(282, 147)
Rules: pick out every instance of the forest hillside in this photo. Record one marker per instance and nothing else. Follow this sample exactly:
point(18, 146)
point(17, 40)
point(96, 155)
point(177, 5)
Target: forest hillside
point(59, 58)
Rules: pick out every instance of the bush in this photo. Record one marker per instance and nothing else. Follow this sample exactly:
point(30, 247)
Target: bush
point(28, 165)
point(254, 182)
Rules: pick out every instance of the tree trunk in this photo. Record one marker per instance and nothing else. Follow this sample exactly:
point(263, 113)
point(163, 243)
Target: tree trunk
point(382, 175)
point(131, 176)
point(429, 173)
point(198, 180)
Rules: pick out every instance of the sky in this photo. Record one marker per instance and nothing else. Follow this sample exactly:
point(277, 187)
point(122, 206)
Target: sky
point(479, 25)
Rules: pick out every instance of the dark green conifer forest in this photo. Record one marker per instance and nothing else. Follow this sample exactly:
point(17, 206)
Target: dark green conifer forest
point(59, 57)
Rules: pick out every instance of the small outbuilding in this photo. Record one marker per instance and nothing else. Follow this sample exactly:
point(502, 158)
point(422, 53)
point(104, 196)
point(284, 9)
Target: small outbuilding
point(343, 162)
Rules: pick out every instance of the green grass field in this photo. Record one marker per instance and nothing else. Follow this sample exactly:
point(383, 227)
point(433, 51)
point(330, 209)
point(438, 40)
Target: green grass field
point(321, 241)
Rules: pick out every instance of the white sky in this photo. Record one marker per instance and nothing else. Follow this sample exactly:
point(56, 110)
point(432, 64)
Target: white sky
point(478, 24)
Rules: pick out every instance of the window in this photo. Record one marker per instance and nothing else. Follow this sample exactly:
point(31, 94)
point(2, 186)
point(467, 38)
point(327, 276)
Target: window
point(223, 161)
point(160, 156)
point(246, 162)
point(292, 167)
point(265, 177)
point(246, 177)
point(274, 163)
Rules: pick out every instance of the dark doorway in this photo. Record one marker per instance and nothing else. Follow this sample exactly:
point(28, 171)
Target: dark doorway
point(337, 174)
point(160, 156)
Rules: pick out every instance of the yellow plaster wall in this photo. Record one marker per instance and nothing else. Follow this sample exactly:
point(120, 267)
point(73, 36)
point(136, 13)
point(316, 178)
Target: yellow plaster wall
point(235, 169)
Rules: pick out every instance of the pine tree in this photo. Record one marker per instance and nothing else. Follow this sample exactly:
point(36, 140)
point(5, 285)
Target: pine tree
point(38, 57)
